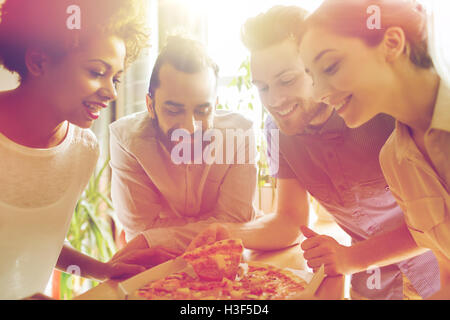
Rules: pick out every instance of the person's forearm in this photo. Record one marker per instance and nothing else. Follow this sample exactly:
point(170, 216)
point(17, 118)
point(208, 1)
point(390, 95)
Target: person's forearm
point(177, 235)
point(73, 261)
point(271, 231)
point(384, 249)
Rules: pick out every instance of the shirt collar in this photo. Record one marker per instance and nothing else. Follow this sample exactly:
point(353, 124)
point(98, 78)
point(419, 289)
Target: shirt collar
point(404, 144)
point(402, 141)
point(441, 113)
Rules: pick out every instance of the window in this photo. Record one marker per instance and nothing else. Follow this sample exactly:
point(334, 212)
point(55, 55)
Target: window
point(224, 21)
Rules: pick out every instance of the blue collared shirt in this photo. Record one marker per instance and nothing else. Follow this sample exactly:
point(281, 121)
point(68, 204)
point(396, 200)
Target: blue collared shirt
point(339, 167)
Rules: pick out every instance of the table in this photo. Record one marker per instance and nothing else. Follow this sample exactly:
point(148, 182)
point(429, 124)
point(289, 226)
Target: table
point(332, 288)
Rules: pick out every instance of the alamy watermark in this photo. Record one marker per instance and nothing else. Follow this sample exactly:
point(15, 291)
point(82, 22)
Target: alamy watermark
point(374, 21)
point(73, 22)
point(229, 146)
point(374, 281)
point(73, 270)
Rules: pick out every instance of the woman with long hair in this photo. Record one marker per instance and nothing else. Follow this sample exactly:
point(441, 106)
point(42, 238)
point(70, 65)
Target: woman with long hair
point(371, 57)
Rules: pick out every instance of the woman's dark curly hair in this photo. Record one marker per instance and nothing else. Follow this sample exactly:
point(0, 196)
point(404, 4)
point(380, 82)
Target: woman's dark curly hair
point(43, 24)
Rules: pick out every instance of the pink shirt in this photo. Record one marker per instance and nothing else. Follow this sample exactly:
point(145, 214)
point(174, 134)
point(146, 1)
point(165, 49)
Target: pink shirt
point(170, 203)
point(339, 167)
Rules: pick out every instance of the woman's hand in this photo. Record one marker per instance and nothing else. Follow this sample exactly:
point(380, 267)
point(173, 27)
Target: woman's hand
point(135, 258)
point(321, 249)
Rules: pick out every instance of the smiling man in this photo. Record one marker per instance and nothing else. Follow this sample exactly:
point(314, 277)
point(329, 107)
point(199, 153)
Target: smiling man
point(159, 199)
point(338, 166)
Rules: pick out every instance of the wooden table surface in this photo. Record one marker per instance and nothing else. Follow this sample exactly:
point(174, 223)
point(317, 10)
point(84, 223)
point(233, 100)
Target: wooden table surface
point(332, 288)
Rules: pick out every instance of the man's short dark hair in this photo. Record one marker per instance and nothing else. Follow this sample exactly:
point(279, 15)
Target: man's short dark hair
point(184, 54)
point(273, 26)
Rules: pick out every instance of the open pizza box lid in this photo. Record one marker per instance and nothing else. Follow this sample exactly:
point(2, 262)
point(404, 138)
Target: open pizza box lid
point(128, 288)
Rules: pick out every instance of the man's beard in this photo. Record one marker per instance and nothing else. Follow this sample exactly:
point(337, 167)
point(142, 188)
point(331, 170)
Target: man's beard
point(306, 114)
point(162, 137)
point(195, 142)
point(310, 115)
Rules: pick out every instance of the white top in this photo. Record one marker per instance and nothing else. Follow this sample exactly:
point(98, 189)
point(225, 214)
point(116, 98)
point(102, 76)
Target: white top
point(39, 189)
point(168, 202)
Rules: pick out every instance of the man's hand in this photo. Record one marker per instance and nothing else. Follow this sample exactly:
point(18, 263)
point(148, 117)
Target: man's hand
point(321, 249)
point(214, 232)
point(135, 258)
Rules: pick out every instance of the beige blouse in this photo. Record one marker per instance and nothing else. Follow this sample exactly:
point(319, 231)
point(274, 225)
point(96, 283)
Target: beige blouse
point(170, 203)
point(422, 188)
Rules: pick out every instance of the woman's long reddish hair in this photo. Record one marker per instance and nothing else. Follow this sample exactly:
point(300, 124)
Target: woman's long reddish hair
point(349, 18)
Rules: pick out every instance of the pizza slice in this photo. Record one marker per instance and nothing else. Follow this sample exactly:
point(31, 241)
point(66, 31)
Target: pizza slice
point(221, 275)
point(216, 261)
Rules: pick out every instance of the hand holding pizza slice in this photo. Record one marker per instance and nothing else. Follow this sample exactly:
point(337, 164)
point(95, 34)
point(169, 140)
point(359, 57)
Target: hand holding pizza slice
point(221, 275)
point(214, 232)
point(215, 261)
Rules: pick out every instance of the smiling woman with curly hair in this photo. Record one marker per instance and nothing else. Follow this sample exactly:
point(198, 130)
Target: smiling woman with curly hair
point(25, 24)
point(47, 152)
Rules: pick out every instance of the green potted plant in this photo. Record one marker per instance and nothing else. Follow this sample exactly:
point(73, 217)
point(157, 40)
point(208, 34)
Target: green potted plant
point(266, 184)
point(90, 231)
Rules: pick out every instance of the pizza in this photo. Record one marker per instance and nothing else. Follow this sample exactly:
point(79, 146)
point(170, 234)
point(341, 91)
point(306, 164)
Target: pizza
point(220, 275)
point(216, 261)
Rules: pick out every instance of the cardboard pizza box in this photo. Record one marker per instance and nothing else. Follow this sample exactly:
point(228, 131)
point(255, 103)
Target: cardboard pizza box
point(129, 287)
